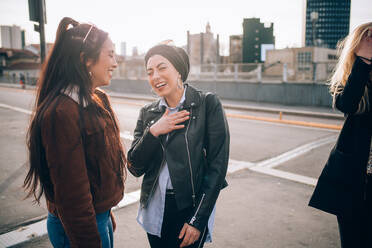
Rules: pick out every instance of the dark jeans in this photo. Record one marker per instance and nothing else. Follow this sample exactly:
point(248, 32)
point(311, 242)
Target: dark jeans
point(58, 237)
point(357, 232)
point(173, 222)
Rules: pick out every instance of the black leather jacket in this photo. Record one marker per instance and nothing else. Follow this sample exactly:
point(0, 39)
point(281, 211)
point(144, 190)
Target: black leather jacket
point(197, 155)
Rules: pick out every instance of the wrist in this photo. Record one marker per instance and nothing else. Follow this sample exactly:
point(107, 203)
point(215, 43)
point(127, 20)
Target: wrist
point(153, 132)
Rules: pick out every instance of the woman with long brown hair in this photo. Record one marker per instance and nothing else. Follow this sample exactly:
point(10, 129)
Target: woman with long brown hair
point(345, 186)
point(76, 156)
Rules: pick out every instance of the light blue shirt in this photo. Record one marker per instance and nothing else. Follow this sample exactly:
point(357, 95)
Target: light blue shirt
point(151, 217)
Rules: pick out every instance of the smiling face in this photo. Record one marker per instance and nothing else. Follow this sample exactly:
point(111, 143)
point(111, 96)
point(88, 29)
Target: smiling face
point(162, 76)
point(101, 71)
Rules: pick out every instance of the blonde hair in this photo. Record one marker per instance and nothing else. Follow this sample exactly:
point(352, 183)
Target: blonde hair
point(346, 51)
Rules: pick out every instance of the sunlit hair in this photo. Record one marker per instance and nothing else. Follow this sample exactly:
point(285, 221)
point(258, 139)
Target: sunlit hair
point(346, 51)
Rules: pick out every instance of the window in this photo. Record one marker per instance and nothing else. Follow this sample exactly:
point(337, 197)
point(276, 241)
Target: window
point(332, 57)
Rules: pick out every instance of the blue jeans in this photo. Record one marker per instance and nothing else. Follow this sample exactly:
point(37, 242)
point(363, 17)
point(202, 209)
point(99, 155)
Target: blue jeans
point(58, 237)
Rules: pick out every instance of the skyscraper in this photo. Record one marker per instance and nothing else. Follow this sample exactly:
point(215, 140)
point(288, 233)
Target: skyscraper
point(256, 38)
point(325, 22)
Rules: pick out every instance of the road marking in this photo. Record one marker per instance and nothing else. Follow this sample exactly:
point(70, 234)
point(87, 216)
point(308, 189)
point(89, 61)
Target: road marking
point(25, 111)
point(286, 175)
point(275, 161)
point(288, 122)
point(124, 135)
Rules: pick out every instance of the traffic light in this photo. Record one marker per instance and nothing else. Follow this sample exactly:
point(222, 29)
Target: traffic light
point(38, 14)
point(34, 10)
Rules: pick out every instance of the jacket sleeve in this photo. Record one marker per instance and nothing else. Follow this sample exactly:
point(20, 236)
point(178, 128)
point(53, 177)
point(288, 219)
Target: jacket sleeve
point(348, 100)
point(66, 160)
point(142, 148)
point(217, 147)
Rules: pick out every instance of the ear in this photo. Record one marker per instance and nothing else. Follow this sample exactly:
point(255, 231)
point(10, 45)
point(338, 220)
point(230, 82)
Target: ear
point(88, 62)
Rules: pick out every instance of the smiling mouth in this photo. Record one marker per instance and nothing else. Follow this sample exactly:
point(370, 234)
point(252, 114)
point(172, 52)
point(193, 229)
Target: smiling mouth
point(160, 85)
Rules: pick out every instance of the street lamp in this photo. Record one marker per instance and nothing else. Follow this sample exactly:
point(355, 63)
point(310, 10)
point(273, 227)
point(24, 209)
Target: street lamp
point(314, 18)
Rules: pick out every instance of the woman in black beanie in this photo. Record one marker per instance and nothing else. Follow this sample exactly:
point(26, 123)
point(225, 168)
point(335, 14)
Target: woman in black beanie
point(181, 146)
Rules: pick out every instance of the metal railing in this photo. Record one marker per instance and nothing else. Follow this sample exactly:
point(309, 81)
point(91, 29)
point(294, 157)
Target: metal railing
point(249, 72)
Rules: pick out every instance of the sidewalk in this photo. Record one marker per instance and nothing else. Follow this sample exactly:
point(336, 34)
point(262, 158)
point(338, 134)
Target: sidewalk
point(255, 211)
point(307, 111)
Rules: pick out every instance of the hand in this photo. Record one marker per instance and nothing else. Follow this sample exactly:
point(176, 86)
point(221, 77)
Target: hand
point(113, 221)
point(364, 48)
point(189, 234)
point(168, 122)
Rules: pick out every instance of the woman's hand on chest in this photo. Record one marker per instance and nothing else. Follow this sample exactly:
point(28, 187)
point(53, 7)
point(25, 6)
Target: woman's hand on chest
point(169, 122)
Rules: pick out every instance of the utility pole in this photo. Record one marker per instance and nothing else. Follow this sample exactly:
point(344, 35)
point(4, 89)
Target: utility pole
point(38, 14)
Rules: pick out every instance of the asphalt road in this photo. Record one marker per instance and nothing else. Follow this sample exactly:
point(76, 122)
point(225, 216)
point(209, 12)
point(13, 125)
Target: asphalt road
point(256, 210)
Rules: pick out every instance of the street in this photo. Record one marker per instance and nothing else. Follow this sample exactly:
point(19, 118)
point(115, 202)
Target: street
point(272, 171)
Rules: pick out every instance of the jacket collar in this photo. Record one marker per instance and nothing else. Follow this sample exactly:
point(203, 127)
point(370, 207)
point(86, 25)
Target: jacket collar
point(73, 93)
point(192, 100)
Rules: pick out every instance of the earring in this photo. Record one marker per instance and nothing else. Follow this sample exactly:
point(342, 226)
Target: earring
point(90, 74)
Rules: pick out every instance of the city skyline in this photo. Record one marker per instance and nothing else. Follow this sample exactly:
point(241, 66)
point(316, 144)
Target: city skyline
point(145, 23)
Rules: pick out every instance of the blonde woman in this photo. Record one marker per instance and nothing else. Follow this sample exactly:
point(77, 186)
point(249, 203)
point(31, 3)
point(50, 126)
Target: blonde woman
point(345, 186)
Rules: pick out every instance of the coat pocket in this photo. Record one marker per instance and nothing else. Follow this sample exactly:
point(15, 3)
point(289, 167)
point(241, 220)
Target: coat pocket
point(339, 168)
point(333, 192)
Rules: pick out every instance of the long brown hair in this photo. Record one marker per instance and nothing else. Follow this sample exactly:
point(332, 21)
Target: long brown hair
point(65, 68)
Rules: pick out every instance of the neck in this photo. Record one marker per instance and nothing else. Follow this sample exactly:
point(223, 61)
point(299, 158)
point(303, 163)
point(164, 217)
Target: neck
point(174, 98)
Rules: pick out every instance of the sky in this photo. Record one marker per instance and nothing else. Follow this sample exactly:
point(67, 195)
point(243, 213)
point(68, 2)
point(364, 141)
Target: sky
point(144, 23)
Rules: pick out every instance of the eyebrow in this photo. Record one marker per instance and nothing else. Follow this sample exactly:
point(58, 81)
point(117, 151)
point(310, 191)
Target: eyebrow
point(161, 63)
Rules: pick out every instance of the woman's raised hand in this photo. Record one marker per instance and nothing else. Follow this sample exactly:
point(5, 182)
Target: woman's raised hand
point(169, 122)
point(364, 48)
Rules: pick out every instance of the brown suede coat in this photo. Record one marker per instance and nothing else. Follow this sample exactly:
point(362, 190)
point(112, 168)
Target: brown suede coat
point(85, 175)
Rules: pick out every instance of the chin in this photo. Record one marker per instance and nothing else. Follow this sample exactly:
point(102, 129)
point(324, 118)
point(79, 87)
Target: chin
point(107, 82)
point(163, 93)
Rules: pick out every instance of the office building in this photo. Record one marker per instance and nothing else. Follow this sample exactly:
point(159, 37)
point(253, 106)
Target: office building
point(325, 22)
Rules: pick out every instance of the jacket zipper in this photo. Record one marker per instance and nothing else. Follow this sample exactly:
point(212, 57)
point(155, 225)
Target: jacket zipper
point(197, 210)
point(188, 155)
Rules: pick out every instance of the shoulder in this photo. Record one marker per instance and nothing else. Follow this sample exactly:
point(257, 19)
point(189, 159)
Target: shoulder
point(150, 106)
point(61, 108)
point(212, 99)
point(210, 96)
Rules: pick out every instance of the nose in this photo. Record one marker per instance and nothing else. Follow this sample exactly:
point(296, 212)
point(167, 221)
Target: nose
point(115, 64)
point(155, 75)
